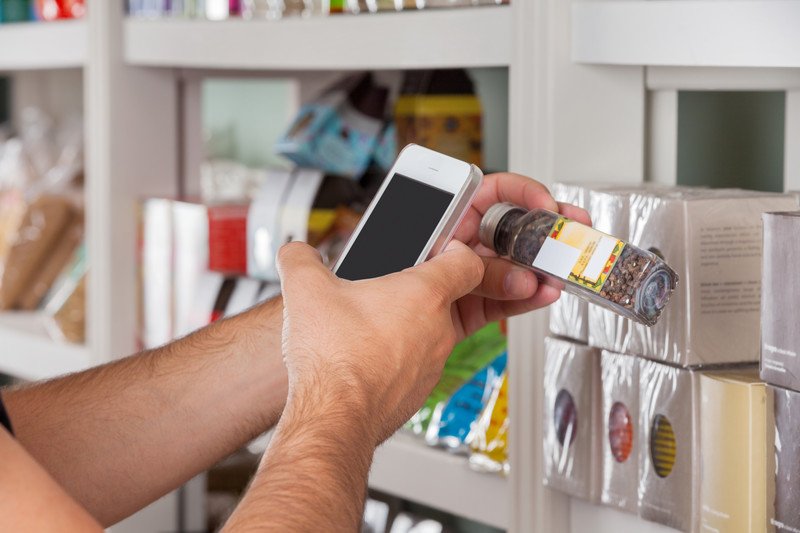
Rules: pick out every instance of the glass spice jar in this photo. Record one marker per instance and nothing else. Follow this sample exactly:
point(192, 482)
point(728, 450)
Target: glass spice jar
point(602, 269)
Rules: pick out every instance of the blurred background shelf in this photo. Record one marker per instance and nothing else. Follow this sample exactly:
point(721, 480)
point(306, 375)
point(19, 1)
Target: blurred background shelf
point(700, 33)
point(28, 352)
point(470, 37)
point(404, 466)
point(50, 45)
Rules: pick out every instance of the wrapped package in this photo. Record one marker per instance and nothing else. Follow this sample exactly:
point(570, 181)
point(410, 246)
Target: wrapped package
point(453, 421)
point(155, 272)
point(737, 465)
point(713, 240)
point(780, 293)
point(787, 460)
point(490, 442)
point(619, 480)
point(467, 358)
point(189, 252)
point(571, 418)
point(667, 445)
point(65, 304)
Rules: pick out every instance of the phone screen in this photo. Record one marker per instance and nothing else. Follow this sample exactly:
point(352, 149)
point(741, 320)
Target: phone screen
point(397, 230)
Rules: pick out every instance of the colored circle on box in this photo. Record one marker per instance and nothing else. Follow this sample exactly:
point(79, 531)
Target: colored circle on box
point(565, 418)
point(620, 432)
point(663, 448)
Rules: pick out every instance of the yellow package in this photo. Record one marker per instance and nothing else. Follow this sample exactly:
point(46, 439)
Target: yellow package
point(489, 442)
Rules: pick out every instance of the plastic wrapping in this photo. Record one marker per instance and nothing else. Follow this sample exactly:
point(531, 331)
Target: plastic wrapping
point(571, 418)
point(453, 421)
point(780, 293)
point(620, 443)
point(787, 460)
point(66, 302)
point(737, 460)
point(467, 358)
point(713, 240)
point(568, 255)
point(490, 442)
point(667, 445)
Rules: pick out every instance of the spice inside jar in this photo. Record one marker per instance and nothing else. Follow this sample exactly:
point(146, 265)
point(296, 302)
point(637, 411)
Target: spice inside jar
point(604, 270)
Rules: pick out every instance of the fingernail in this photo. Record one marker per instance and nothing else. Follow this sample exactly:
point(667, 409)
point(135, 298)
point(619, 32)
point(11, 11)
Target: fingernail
point(517, 283)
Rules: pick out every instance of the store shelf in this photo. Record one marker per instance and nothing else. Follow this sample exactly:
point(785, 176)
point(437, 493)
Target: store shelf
point(468, 37)
point(405, 467)
point(43, 45)
point(28, 352)
point(597, 519)
point(697, 33)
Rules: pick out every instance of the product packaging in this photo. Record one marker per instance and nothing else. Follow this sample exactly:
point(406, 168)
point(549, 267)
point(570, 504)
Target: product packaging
point(571, 418)
point(667, 444)
point(452, 423)
point(569, 316)
point(602, 269)
point(439, 109)
point(787, 460)
point(737, 468)
point(227, 238)
point(620, 434)
point(490, 442)
point(467, 358)
point(780, 294)
point(190, 254)
point(713, 241)
point(338, 132)
point(15, 10)
point(156, 275)
point(66, 303)
point(59, 9)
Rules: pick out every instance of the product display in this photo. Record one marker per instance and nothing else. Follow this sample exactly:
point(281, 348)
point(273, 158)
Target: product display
point(787, 460)
point(602, 269)
point(467, 358)
point(66, 303)
point(619, 480)
point(571, 418)
point(737, 460)
point(453, 421)
point(712, 238)
point(780, 292)
point(666, 445)
point(490, 443)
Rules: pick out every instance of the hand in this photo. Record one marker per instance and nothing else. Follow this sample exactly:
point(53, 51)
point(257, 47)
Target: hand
point(368, 351)
point(506, 289)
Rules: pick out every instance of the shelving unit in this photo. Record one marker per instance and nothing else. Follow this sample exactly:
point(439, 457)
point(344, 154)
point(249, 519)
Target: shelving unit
point(474, 37)
point(30, 353)
point(406, 467)
point(36, 46)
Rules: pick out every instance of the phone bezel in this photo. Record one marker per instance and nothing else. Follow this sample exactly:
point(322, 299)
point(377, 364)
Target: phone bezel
point(432, 168)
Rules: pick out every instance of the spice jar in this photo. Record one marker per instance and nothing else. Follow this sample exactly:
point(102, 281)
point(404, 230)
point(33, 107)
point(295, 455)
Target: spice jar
point(602, 269)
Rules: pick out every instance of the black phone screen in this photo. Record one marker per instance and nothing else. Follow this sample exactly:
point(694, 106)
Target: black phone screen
point(397, 230)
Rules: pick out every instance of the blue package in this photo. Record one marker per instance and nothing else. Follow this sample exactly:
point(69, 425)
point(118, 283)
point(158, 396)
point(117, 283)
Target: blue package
point(452, 421)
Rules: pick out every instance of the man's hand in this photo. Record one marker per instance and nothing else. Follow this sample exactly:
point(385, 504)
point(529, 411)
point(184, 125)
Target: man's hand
point(374, 347)
point(506, 289)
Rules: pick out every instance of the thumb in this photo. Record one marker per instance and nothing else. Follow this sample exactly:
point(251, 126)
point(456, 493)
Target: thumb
point(454, 272)
point(299, 263)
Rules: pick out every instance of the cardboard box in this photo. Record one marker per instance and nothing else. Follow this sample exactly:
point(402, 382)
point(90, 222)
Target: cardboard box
point(712, 239)
point(780, 295)
point(787, 460)
point(620, 429)
point(667, 445)
point(737, 469)
point(571, 422)
point(155, 272)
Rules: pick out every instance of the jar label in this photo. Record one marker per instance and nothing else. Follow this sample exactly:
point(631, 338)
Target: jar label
point(579, 253)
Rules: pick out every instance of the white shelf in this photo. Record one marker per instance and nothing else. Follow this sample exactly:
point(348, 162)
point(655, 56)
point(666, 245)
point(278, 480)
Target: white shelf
point(28, 352)
point(697, 33)
point(587, 517)
point(405, 467)
point(43, 45)
point(466, 37)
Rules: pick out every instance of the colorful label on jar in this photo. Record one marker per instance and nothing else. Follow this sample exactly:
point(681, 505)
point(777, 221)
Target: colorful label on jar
point(579, 253)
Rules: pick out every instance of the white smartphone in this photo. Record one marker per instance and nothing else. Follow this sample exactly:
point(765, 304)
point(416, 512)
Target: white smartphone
point(413, 216)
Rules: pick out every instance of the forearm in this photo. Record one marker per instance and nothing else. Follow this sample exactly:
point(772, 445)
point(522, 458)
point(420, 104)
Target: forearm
point(119, 436)
point(313, 476)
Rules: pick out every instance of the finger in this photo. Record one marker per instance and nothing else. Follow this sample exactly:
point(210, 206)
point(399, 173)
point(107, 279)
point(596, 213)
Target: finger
point(575, 213)
point(453, 273)
point(298, 263)
point(503, 280)
point(476, 311)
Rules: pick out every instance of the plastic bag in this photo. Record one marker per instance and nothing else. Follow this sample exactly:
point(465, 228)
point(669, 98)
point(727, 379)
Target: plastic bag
point(489, 445)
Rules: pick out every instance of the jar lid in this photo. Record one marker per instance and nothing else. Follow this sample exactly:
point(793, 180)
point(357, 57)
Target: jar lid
point(491, 219)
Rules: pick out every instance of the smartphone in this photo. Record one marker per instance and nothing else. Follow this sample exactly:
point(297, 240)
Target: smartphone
point(412, 217)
